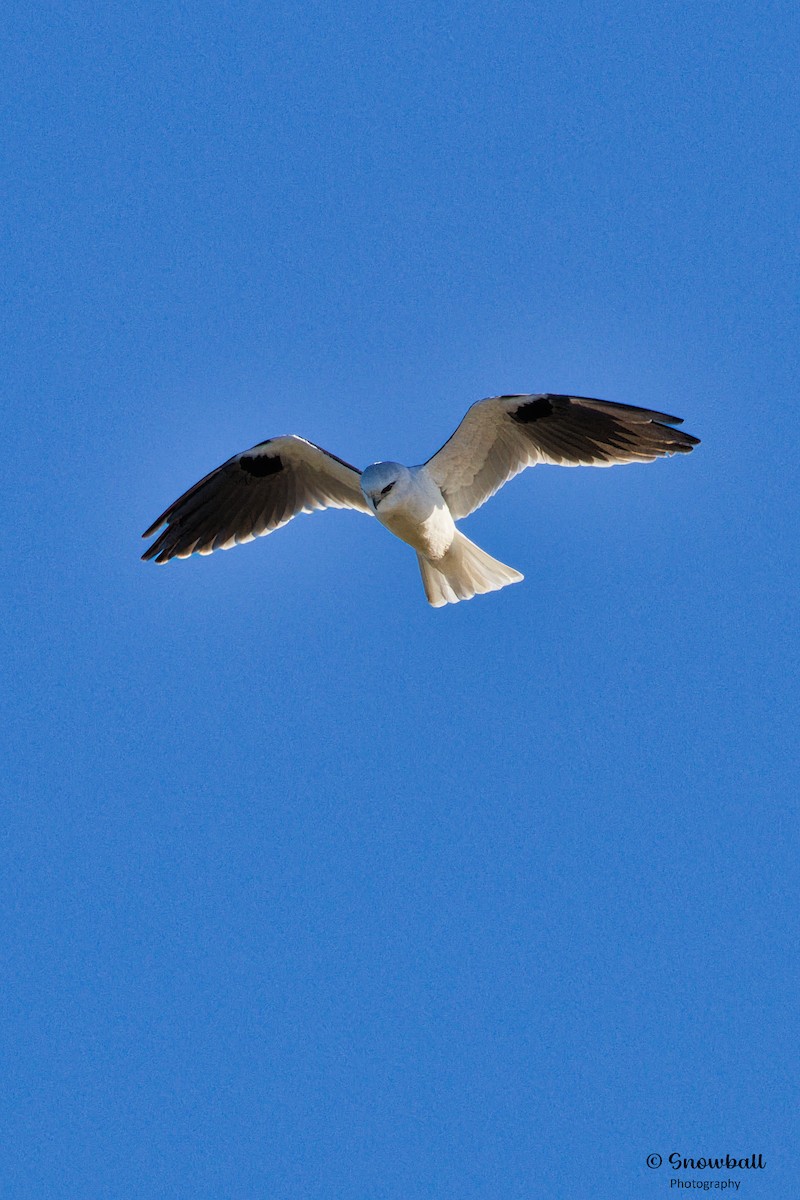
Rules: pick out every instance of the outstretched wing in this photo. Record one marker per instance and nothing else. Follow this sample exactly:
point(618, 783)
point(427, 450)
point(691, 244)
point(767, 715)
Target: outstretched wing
point(501, 436)
point(252, 494)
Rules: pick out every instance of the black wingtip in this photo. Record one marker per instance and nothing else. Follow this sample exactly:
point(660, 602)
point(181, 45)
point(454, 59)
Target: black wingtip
point(687, 441)
point(159, 521)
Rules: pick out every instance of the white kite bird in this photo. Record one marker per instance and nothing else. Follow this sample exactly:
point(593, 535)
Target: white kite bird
point(259, 490)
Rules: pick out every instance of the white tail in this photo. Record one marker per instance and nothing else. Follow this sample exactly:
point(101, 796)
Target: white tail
point(464, 571)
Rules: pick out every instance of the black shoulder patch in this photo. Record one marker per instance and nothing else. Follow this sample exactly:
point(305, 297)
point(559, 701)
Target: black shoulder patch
point(535, 410)
point(261, 465)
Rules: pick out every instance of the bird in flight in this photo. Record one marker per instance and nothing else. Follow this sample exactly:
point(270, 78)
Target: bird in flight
point(261, 489)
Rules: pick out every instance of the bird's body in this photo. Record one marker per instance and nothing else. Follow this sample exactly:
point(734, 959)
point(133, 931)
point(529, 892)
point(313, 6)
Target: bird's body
point(413, 508)
point(260, 489)
point(409, 502)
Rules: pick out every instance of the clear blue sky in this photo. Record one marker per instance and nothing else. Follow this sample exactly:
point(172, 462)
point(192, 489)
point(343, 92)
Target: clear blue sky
point(310, 890)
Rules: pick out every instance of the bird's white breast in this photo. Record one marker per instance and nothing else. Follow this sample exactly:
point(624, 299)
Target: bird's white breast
point(417, 513)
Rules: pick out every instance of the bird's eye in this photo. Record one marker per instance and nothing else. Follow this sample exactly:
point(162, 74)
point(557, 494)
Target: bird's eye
point(388, 488)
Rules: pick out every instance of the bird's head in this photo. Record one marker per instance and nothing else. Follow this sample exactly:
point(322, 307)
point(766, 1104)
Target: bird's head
point(383, 480)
